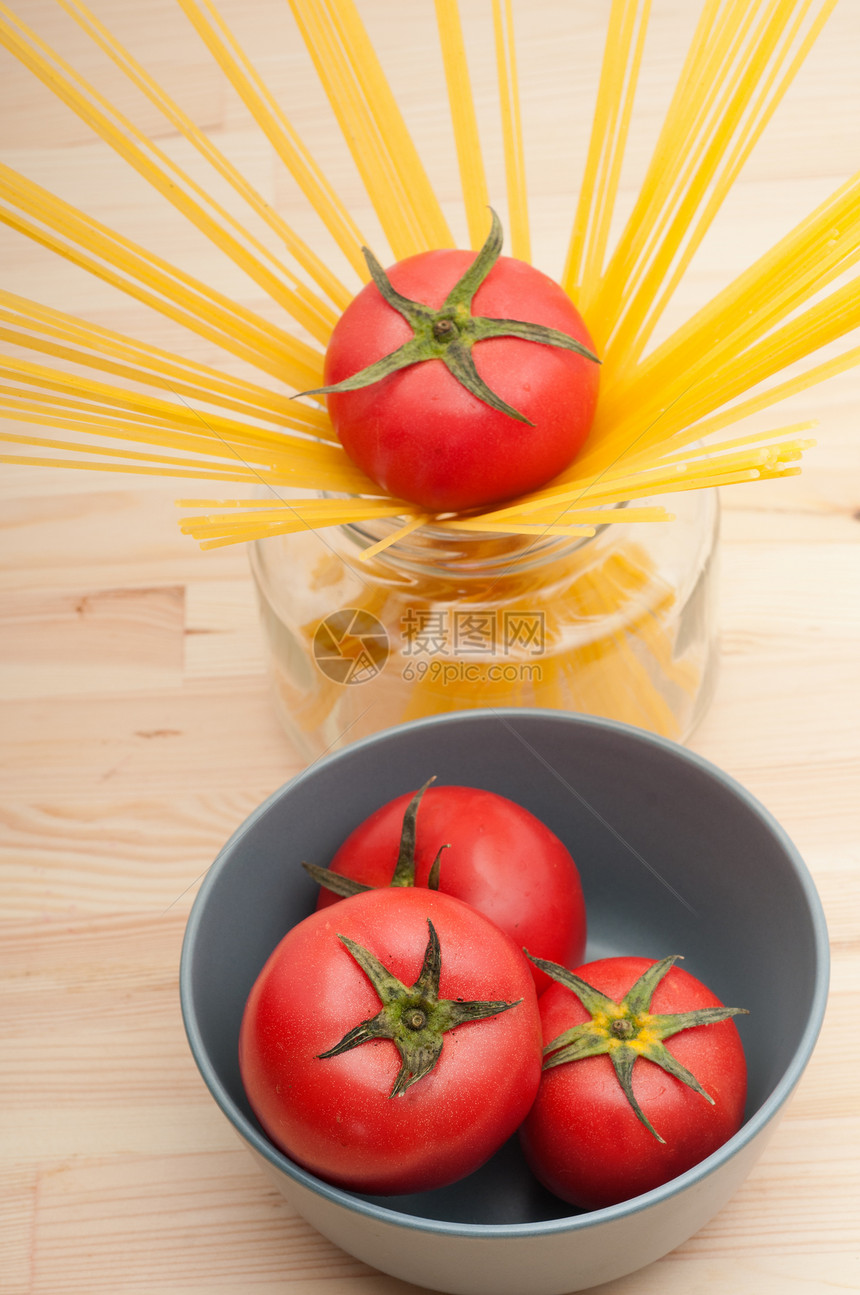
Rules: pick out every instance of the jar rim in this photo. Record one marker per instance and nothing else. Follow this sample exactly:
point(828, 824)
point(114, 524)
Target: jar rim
point(430, 551)
point(463, 549)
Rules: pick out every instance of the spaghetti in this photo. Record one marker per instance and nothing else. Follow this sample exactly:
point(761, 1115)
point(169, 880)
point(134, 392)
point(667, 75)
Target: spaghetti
point(662, 411)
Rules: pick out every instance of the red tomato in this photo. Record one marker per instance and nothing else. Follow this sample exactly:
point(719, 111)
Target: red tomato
point(335, 1114)
point(419, 433)
point(502, 861)
point(583, 1139)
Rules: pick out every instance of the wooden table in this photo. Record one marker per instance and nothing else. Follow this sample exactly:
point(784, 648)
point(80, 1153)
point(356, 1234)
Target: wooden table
point(137, 730)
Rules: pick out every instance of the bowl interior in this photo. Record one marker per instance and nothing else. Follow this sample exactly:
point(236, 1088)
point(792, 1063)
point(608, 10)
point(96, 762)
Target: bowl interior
point(674, 857)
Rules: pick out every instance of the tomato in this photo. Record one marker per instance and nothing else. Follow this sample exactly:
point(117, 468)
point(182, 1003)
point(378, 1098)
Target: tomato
point(334, 1091)
point(500, 859)
point(584, 1138)
point(451, 429)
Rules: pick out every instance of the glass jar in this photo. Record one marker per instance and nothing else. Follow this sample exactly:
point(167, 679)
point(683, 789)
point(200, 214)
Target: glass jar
point(620, 624)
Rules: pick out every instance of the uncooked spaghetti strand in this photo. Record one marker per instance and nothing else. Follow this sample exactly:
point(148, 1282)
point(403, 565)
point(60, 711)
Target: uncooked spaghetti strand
point(656, 236)
point(166, 177)
point(538, 529)
point(744, 313)
point(235, 451)
point(733, 165)
point(828, 235)
point(701, 136)
point(48, 379)
point(400, 532)
point(272, 121)
point(194, 382)
point(751, 105)
point(560, 510)
point(593, 189)
point(687, 463)
point(726, 417)
point(824, 322)
point(589, 491)
point(161, 469)
point(372, 125)
point(609, 188)
point(172, 432)
point(690, 101)
point(309, 261)
point(145, 276)
point(731, 375)
point(619, 477)
point(183, 390)
point(586, 520)
point(357, 509)
point(143, 357)
point(231, 466)
point(686, 447)
point(558, 515)
point(682, 141)
point(361, 131)
point(598, 192)
point(76, 227)
point(382, 103)
point(512, 130)
point(239, 460)
point(176, 428)
point(310, 511)
point(133, 458)
point(473, 180)
point(213, 531)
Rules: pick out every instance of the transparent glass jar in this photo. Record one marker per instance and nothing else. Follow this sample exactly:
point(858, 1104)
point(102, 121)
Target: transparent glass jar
point(620, 624)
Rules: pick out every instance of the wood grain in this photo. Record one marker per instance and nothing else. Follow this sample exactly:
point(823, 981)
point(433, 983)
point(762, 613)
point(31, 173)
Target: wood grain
point(137, 727)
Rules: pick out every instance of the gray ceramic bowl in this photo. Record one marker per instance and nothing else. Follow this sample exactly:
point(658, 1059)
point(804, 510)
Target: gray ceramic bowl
point(675, 857)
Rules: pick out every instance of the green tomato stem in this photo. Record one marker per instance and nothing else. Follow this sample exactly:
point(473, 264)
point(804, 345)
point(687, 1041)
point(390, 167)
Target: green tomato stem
point(450, 333)
point(627, 1030)
point(413, 1017)
point(404, 870)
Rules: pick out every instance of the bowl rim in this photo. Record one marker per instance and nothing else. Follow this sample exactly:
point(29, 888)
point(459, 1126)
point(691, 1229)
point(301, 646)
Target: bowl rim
point(755, 1125)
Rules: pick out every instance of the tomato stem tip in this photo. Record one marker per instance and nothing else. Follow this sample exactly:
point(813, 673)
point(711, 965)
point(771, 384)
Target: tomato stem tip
point(627, 1029)
point(448, 334)
point(413, 1017)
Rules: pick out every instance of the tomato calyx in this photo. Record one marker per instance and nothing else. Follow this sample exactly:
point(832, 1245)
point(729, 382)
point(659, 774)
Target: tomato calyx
point(448, 334)
point(413, 1017)
point(404, 869)
point(627, 1030)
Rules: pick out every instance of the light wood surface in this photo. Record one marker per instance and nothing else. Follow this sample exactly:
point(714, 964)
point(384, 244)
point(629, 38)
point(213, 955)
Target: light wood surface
point(137, 730)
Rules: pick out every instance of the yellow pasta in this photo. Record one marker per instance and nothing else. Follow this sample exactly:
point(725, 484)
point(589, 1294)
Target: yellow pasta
point(167, 178)
point(668, 416)
point(119, 261)
point(512, 130)
point(463, 120)
point(275, 125)
point(373, 126)
point(625, 38)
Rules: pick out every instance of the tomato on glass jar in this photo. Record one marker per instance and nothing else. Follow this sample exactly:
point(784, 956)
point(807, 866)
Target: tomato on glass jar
point(456, 380)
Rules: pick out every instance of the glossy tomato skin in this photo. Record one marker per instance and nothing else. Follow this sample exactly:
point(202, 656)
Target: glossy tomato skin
point(502, 861)
point(582, 1138)
point(334, 1116)
point(419, 433)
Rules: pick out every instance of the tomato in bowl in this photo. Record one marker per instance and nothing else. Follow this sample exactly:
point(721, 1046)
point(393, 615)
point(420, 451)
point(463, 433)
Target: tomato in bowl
point(674, 856)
